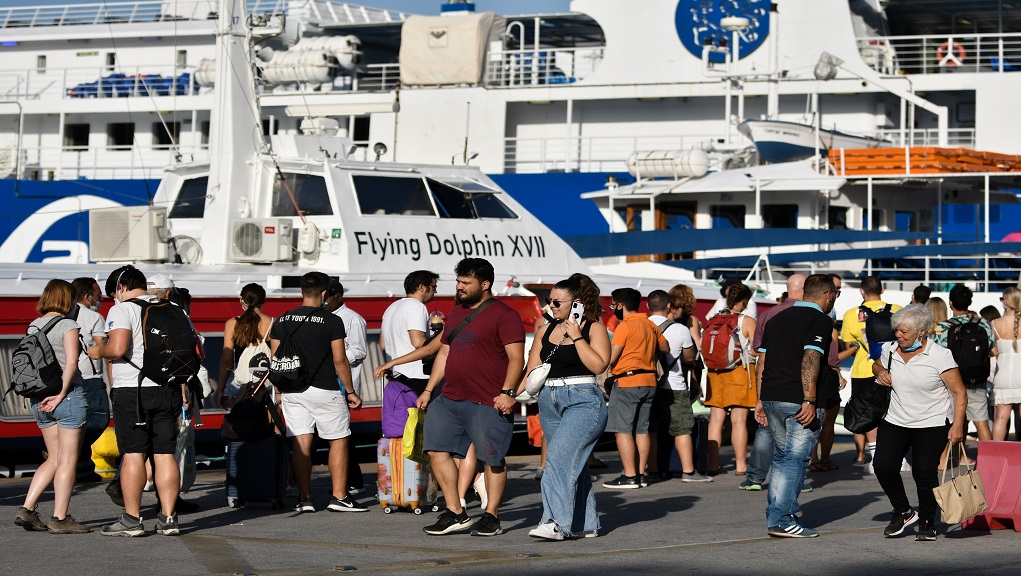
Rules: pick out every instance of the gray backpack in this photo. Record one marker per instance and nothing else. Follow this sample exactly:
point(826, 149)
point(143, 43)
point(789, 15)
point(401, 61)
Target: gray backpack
point(36, 373)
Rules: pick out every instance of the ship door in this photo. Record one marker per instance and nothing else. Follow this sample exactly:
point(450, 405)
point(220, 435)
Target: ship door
point(674, 216)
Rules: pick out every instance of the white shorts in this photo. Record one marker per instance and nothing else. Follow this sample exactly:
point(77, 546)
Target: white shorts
point(317, 410)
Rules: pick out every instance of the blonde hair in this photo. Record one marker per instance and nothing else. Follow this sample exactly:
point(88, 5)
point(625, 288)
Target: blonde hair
point(56, 297)
point(1012, 300)
point(938, 308)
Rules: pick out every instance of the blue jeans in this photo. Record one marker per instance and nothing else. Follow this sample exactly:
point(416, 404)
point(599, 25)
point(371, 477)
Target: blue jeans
point(761, 456)
point(793, 445)
point(573, 417)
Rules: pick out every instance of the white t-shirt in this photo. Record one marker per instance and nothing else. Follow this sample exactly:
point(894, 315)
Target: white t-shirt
point(354, 343)
point(90, 324)
point(128, 316)
point(919, 398)
point(752, 310)
point(679, 338)
point(403, 315)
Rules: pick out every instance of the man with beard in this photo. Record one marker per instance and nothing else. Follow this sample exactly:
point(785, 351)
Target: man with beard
point(481, 356)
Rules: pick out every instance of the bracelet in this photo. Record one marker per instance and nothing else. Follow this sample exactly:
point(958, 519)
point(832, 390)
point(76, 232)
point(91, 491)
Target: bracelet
point(809, 399)
point(349, 393)
point(576, 339)
point(424, 391)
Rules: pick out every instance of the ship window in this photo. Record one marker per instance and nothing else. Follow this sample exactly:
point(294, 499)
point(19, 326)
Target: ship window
point(40, 64)
point(457, 198)
point(120, 134)
point(487, 205)
point(837, 218)
point(204, 133)
point(182, 58)
point(727, 216)
point(452, 202)
point(165, 136)
point(382, 195)
point(780, 216)
point(309, 192)
point(76, 135)
point(191, 200)
point(111, 61)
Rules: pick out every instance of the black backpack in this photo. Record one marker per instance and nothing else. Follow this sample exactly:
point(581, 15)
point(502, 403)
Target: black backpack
point(173, 351)
point(287, 369)
point(878, 328)
point(35, 370)
point(968, 341)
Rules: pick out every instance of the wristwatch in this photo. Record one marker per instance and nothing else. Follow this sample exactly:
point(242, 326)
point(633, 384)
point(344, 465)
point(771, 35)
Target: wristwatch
point(510, 393)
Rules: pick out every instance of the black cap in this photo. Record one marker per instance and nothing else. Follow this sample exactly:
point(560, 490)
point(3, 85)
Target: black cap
point(334, 287)
point(727, 284)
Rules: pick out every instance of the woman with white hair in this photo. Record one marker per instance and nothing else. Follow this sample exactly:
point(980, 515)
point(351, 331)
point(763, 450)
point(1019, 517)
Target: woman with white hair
point(927, 407)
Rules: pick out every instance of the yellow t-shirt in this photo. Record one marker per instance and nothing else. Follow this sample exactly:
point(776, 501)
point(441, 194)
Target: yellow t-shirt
point(853, 330)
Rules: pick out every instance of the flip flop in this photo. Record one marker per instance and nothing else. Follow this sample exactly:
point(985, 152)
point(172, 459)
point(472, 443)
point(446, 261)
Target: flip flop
point(816, 467)
point(828, 465)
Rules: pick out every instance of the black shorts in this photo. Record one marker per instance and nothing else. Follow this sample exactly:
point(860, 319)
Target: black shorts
point(159, 409)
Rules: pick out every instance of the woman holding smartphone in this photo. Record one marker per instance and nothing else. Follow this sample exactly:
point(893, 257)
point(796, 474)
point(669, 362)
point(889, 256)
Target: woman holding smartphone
point(571, 407)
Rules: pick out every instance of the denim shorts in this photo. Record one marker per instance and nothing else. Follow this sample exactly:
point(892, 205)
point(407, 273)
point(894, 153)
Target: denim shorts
point(453, 425)
point(70, 413)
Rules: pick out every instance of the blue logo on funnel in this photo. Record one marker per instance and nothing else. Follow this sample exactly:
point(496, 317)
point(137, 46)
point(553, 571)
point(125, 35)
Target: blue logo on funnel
point(698, 25)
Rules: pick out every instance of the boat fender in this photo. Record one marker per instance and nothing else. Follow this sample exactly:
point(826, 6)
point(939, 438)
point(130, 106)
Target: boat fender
point(951, 54)
point(308, 238)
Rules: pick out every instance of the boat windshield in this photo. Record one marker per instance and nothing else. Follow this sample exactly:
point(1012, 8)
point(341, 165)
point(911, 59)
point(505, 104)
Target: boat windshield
point(309, 192)
point(191, 200)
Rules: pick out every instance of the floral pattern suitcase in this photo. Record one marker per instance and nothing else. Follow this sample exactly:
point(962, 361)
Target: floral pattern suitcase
point(403, 483)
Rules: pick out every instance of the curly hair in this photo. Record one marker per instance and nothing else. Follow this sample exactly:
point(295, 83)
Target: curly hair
point(683, 297)
point(583, 288)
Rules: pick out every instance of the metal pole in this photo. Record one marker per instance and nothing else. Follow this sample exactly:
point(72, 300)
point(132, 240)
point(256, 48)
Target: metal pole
point(869, 200)
point(986, 258)
point(567, 136)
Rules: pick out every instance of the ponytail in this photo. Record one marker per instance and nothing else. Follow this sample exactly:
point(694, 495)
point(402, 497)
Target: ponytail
point(246, 331)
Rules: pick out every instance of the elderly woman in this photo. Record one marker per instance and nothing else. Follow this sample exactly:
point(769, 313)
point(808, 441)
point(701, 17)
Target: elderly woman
point(927, 406)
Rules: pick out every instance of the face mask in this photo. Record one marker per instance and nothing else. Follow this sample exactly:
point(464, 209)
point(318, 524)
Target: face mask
point(618, 313)
point(913, 347)
point(94, 306)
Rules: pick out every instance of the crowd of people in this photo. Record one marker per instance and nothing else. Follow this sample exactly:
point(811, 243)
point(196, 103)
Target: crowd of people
point(636, 379)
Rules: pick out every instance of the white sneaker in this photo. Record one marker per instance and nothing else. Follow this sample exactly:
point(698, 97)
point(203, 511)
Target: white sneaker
point(480, 489)
point(869, 469)
point(548, 531)
point(904, 466)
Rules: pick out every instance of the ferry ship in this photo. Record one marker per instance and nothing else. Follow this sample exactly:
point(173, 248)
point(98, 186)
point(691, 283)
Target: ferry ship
point(616, 130)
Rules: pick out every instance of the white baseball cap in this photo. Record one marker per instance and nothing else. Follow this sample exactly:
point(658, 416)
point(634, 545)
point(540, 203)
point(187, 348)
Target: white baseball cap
point(159, 282)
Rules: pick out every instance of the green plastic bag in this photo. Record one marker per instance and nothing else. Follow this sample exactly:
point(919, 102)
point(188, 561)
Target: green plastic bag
point(414, 436)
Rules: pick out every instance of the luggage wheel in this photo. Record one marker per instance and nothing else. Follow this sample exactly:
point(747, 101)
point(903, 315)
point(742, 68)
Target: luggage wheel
point(387, 510)
point(418, 511)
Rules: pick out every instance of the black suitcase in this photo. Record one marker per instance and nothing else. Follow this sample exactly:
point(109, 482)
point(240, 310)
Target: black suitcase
point(257, 471)
point(700, 439)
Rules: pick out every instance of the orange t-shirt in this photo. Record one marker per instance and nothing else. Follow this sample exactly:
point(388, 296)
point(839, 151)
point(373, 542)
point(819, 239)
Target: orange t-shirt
point(640, 339)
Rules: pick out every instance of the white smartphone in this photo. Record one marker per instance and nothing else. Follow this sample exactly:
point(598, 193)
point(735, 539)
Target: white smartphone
point(577, 312)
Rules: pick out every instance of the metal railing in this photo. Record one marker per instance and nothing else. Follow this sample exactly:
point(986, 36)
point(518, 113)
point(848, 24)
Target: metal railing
point(515, 68)
point(587, 154)
point(105, 162)
point(891, 55)
point(97, 82)
point(957, 137)
point(147, 11)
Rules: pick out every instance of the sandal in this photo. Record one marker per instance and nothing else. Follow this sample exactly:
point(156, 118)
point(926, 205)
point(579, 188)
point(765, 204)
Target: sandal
point(828, 466)
point(816, 467)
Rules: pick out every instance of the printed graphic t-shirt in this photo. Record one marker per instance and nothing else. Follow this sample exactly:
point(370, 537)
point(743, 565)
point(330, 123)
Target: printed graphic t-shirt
point(477, 362)
point(314, 339)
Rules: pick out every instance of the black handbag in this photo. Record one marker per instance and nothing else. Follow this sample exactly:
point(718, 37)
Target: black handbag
point(865, 410)
point(247, 419)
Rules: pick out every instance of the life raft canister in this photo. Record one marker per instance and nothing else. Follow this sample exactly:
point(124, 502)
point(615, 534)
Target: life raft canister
point(951, 54)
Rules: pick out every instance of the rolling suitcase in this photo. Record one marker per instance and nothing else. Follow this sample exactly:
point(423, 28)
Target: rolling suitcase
point(257, 471)
point(403, 483)
point(700, 439)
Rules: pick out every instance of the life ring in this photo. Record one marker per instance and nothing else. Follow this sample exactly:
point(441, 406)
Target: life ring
point(951, 54)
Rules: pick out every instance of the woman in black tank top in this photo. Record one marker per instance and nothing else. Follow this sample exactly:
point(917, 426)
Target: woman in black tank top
point(571, 407)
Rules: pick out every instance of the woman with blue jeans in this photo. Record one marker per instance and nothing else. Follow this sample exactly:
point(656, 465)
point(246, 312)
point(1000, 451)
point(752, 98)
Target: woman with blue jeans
point(571, 408)
point(60, 417)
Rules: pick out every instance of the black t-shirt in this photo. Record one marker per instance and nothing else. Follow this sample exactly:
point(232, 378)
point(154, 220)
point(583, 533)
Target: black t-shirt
point(788, 334)
point(314, 340)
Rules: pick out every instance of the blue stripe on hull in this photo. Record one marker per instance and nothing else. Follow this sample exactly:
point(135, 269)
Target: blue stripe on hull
point(777, 152)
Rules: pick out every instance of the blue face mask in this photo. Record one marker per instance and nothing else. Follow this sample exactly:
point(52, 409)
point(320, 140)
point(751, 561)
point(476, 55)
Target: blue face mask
point(913, 347)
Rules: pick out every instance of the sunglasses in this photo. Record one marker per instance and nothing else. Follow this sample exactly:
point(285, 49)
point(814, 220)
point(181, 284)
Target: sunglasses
point(555, 303)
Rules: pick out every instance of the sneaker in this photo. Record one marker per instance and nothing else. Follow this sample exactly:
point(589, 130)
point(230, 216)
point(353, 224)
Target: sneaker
point(750, 485)
point(806, 488)
point(645, 480)
point(480, 488)
point(67, 526)
point(355, 489)
point(348, 504)
point(539, 471)
point(586, 534)
point(113, 490)
point(926, 531)
point(488, 525)
point(306, 505)
point(904, 466)
point(696, 477)
point(624, 483)
point(548, 531)
point(128, 526)
point(900, 522)
point(869, 470)
point(29, 520)
point(167, 525)
point(448, 522)
point(792, 530)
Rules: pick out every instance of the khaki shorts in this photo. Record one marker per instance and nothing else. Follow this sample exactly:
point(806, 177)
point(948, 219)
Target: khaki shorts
point(978, 404)
point(317, 410)
point(671, 411)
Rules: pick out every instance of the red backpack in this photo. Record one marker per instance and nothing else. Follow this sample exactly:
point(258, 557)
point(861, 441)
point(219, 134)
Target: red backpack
point(721, 345)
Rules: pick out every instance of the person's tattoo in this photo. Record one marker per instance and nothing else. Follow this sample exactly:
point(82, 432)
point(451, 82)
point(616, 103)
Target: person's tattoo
point(811, 360)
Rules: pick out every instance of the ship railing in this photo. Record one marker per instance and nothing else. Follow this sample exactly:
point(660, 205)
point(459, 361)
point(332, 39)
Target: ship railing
point(589, 153)
point(370, 78)
point(342, 13)
point(517, 68)
point(957, 137)
point(942, 53)
point(110, 162)
point(145, 11)
point(98, 82)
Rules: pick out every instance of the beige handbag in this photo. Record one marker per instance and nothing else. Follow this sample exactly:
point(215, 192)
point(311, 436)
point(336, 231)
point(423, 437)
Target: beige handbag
point(963, 497)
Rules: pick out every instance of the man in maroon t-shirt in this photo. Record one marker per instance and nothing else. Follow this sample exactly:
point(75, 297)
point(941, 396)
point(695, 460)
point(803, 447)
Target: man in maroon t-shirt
point(482, 365)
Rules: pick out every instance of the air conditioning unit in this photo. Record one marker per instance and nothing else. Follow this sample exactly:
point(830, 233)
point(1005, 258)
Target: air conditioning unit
point(128, 234)
point(261, 240)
